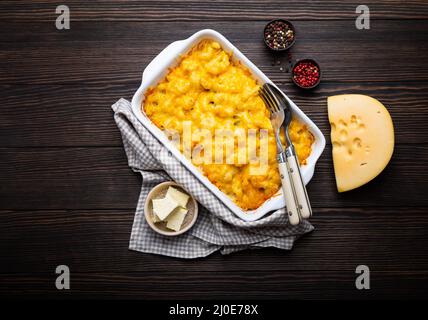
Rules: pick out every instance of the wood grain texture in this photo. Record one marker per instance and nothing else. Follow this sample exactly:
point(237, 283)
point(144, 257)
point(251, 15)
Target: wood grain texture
point(90, 178)
point(102, 52)
point(219, 285)
point(109, 10)
point(54, 115)
point(44, 239)
point(67, 195)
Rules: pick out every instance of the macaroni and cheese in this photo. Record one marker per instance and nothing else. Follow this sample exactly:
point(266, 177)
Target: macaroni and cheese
point(214, 92)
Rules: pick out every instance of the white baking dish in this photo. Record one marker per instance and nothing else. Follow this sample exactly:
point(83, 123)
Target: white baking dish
point(157, 70)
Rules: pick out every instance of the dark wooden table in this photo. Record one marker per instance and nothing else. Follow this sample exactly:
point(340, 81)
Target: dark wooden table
point(68, 197)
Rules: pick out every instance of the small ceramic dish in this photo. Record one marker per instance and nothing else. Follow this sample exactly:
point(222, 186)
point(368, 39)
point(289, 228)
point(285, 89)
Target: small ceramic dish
point(266, 33)
point(159, 192)
point(307, 60)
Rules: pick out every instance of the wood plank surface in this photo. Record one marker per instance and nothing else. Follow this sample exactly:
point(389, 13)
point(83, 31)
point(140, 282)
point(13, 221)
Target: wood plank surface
point(233, 286)
point(44, 239)
point(102, 52)
point(135, 10)
point(54, 115)
point(67, 195)
point(90, 178)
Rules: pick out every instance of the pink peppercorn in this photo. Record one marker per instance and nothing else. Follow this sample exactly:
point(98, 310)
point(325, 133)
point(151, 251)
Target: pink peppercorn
point(306, 73)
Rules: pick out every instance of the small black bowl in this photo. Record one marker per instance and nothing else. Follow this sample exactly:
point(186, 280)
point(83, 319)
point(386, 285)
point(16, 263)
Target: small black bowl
point(319, 72)
point(291, 27)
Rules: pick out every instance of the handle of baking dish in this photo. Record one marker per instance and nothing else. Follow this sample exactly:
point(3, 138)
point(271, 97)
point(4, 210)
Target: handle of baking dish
point(308, 174)
point(162, 60)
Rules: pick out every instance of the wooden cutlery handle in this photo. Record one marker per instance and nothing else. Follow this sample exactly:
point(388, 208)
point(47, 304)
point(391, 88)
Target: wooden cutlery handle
point(287, 188)
point(299, 187)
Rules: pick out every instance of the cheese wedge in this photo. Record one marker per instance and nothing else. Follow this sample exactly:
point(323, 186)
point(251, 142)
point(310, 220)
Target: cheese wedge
point(175, 219)
point(164, 207)
point(178, 196)
point(362, 135)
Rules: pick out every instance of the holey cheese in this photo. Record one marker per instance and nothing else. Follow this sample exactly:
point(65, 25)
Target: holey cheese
point(362, 135)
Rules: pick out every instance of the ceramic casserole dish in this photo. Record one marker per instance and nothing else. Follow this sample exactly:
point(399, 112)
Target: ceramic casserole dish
point(169, 58)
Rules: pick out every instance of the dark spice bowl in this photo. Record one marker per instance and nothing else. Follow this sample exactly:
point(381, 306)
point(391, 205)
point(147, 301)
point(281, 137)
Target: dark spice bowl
point(285, 40)
point(311, 83)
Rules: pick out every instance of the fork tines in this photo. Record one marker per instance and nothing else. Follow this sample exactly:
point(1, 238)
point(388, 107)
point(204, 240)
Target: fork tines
point(269, 98)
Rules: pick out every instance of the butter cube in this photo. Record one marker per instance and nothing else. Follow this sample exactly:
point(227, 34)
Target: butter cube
point(175, 219)
point(164, 207)
point(178, 196)
point(155, 218)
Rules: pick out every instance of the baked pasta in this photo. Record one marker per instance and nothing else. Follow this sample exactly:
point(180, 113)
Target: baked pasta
point(213, 92)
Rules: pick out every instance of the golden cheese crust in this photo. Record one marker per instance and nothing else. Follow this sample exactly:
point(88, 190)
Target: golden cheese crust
point(214, 92)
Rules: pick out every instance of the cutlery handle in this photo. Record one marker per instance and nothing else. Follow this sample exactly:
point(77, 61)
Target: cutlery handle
point(299, 187)
point(287, 188)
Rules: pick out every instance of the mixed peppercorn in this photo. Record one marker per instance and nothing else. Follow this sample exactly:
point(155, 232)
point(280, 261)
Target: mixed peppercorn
point(279, 35)
point(306, 73)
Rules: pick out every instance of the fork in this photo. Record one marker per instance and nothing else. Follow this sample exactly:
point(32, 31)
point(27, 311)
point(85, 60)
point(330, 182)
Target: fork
point(277, 118)
point(296, 177)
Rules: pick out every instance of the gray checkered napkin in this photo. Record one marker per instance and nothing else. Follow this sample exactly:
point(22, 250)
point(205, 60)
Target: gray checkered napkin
point(217, 228)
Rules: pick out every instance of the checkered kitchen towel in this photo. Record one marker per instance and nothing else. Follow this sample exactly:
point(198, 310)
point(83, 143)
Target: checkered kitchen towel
point(217, 228)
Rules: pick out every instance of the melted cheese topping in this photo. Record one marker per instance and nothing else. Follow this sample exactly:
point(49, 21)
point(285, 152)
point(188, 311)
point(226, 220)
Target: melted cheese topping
point(214, 92)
